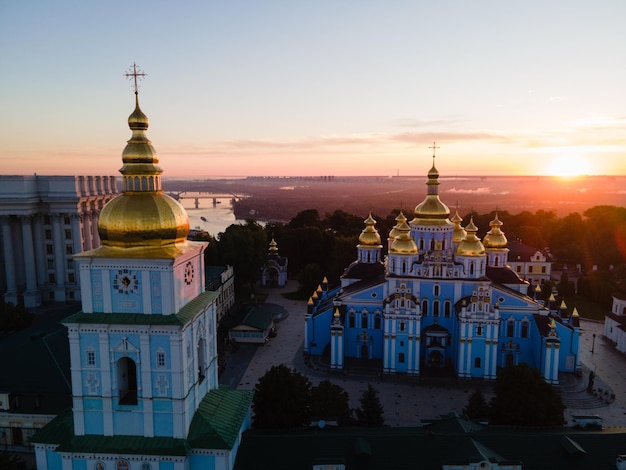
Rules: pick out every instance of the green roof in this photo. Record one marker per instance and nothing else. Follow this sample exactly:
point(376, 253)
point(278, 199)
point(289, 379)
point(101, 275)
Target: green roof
point(215, 425)
point(257, 317)
point(219, 418)
point(184, 315)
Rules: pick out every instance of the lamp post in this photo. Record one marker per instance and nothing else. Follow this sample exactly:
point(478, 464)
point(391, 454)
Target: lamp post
point(593, 343)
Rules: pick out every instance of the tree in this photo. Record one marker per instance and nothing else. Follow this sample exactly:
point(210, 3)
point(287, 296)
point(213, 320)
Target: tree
point(477, 407)
point(370, 413)
point(244, 247)
point(329, 400)
point(523, 398)
point(309, 278)
point(282, 399)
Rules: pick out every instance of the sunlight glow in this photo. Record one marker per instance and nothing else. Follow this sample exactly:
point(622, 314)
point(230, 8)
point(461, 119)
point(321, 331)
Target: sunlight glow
point(568, 166)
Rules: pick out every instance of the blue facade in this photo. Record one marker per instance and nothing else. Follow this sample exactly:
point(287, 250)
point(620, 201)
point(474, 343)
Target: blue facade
point(440, 299)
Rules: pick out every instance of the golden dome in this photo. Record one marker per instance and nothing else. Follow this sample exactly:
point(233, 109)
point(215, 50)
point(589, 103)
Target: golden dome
point(142, 216)
point(459, 232)
point(495, 237)
point(394, 232)
point(471, 244)
point(431, 211)
point(404, 243)
point(273, 249)
point(369, 235)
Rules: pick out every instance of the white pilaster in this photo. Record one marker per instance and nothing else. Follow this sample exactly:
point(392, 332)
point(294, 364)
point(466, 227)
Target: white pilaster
point(59, 258)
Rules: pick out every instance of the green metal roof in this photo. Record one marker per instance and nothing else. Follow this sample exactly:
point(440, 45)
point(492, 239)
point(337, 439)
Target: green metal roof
point(184, 315)
point(219, 418)
point(258, 317)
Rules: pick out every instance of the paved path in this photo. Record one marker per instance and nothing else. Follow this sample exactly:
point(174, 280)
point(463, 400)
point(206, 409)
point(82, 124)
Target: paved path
point(406, 402)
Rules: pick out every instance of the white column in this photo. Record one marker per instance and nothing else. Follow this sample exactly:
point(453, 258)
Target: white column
point(9, 262)
point(94, 225)
point(87, 230)
point(31, 296)
point(40, 254)
point(547, 361)
point(555, 363)
point(59, 258)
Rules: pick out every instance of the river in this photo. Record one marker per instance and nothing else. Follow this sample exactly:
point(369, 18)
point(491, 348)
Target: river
point(213, 218)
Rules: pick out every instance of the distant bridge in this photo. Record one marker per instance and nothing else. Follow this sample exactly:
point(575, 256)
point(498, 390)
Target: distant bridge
point(197, 195)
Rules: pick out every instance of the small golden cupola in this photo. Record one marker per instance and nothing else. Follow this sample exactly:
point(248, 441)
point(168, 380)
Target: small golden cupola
point(495, 237)
point(404, 243)
point(369, 236)
point(273, 248)
point(471, 245)
point(394, 232)
point(142, 216)
point(431, 211)
point(459, 233)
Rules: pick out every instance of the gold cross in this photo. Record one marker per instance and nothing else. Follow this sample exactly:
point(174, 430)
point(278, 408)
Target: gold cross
point(133, 72)
point(434, 147)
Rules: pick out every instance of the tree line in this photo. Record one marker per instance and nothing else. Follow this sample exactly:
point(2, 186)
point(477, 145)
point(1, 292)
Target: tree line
point(324, 246)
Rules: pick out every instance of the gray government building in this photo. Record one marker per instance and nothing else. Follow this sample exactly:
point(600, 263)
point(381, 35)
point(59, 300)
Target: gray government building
point(44, 220)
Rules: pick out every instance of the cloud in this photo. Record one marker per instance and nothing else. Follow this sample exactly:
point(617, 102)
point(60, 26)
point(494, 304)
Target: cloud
point(482, 190)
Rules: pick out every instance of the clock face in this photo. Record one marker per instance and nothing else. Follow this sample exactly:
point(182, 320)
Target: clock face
point(126, 281)
point(188, 273)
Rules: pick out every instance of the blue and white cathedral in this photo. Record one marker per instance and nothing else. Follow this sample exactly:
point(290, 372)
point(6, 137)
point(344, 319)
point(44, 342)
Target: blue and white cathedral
point(440, 299)
point(143, 349)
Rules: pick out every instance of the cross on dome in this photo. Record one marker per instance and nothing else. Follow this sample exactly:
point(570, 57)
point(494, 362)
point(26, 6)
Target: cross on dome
point(136, 74)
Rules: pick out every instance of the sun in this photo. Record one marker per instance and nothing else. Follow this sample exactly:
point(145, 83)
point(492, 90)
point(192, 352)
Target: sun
point(569, 166)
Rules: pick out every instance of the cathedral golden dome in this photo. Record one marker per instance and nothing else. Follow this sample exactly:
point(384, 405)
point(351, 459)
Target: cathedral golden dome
point(471, 245)
point(142, 216)
point(495, 237)
point(459, 232)
point(431, 211)
point(369, 235)
point(404, 243)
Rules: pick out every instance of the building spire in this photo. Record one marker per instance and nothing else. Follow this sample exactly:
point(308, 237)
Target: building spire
point(137, 75)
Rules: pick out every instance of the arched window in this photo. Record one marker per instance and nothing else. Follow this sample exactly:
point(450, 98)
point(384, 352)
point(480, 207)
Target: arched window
point(435, 308)
point(524, 332)
point(127, 381)
point(364, 320)
point(201, 360)
point(496, 261)
point(471, 268)
point(447, 307)
point(425, 307)
point(91, 357)
point(122, 464)
point(477, 362)
point(436, 290)
point(401, 358)
point(160, 359)
point(351, 320)
point(377, 321)
point(432, 245)
point(510, 328)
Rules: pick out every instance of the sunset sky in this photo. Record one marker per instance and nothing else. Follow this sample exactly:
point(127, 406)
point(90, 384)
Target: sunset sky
point(318, 87)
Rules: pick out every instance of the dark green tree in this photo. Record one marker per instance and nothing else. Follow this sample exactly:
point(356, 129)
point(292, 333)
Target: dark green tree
point(477, 407)
point(330, 401)
point(282, 399)
point(370, 412)
point(14, 317)
point(523, 398)
point(309, 278)
point(244, 247)
point(12, 462)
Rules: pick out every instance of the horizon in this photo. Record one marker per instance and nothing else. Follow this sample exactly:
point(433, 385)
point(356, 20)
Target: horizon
point(358, 88)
